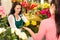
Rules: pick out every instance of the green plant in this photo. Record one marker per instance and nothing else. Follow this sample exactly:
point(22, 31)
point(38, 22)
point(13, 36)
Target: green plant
point(3, 22)
point(7, 35)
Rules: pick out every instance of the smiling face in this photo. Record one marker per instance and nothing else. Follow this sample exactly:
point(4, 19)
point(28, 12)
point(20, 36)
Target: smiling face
point(17, 9)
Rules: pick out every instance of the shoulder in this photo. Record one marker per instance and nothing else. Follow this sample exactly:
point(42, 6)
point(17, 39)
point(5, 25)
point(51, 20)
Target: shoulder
point(10, 16)
point(46, 21)
point(22, 15)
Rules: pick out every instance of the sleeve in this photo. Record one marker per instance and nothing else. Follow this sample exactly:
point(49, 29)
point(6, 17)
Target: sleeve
point(11, 21)
point(24, 18)
point(41, 32)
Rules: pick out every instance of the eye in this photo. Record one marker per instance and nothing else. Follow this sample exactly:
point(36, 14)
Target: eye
point(17, 8)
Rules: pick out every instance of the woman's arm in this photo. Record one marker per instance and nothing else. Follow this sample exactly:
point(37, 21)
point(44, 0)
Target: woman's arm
point(41, 32)
point(11, 21)
point(24, 18)
point(29, 30)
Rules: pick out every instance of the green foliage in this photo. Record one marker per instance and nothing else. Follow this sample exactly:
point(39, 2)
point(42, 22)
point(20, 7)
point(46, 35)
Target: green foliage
point(7, 35)
point(43, 16)
point(3, 22)
point(2, 36)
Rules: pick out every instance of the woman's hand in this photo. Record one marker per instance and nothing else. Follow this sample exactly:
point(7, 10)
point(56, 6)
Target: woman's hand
point(29, 30)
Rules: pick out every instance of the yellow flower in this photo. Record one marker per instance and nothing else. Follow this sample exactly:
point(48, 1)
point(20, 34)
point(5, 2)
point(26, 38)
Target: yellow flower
point(33, 22)
point(27, 23)
point(46, 5)
point(35, 7)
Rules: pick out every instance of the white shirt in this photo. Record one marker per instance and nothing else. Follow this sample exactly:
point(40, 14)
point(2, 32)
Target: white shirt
point(12, 20)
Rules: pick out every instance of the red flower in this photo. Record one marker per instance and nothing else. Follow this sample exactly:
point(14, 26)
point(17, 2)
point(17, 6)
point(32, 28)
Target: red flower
point(33, 5)
point(48, 15)
point(25, 4)
point(28, 8)
point(45, 12)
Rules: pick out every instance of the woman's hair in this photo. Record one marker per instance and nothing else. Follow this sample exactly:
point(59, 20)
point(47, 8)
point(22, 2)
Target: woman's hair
point(13, 6)
point(57, 15)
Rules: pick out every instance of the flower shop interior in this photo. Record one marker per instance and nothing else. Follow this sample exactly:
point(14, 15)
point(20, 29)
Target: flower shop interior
point(34, 10)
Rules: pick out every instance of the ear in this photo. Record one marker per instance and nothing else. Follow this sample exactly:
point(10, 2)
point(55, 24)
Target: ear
point(53, 5)
point(52, 9)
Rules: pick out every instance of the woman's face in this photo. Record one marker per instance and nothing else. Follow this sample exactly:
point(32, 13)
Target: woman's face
point(17, 9)
point(52, 9)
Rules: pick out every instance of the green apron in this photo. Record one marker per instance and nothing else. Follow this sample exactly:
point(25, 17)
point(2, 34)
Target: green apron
point(19, 24)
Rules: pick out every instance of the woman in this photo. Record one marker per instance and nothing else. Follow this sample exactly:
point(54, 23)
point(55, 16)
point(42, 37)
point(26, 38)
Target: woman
point(16, 18)
point(49, 27)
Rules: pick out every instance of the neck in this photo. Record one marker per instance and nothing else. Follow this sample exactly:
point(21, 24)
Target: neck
point(16, 14)
point(53, 13)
